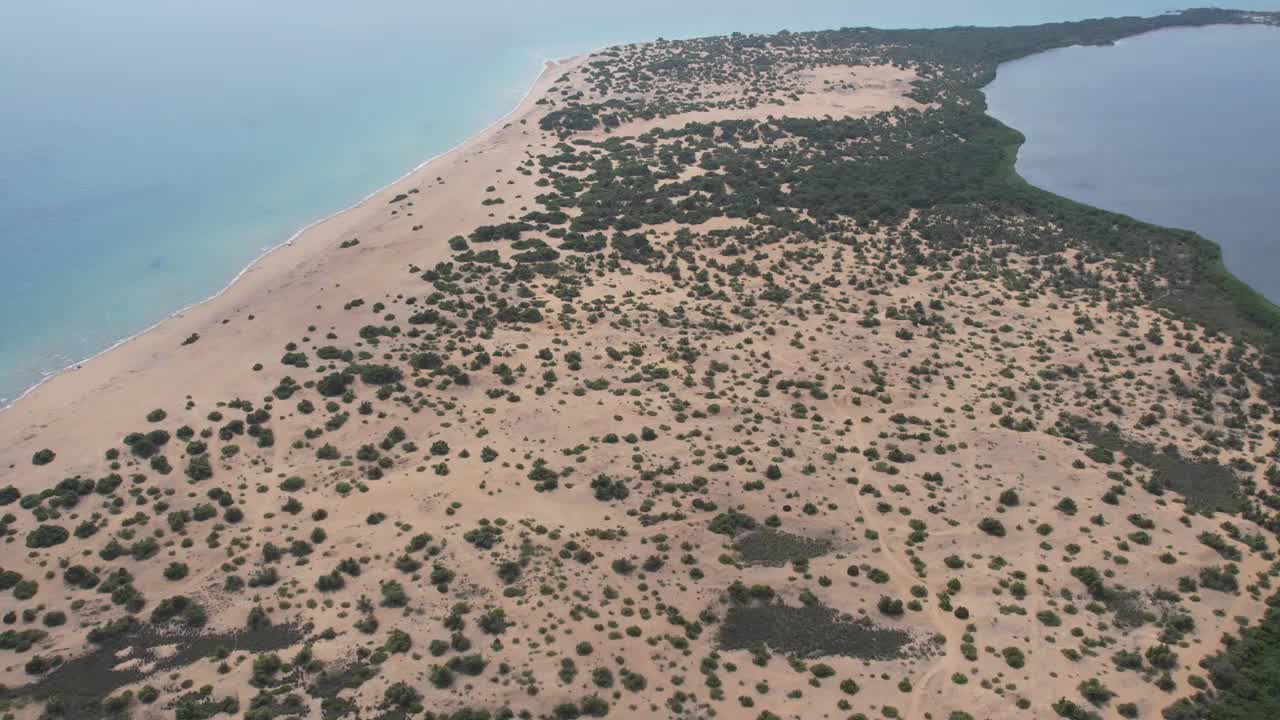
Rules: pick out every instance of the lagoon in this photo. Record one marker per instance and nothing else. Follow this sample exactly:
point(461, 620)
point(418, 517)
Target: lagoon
point(1177, 128)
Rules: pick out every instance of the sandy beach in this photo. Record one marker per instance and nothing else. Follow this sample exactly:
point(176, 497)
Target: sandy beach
point(280, 291)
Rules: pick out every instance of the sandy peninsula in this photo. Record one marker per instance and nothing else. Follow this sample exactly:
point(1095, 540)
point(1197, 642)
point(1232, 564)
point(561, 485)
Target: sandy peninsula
point(727, 377)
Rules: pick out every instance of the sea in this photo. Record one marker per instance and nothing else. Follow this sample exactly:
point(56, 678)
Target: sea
point(151, 149)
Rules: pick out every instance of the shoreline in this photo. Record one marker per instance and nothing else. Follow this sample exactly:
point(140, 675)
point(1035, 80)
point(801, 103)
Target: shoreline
point(256, 262)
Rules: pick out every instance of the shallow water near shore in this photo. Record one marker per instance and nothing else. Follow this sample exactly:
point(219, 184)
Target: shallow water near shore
point(1176, 128)
point(150, 150)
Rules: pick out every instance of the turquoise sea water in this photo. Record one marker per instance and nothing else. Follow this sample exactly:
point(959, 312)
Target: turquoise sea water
point(1177, 127)
point(150, 149)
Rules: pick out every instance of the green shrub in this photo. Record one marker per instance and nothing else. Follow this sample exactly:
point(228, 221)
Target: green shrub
point(47, 536)
point(992, 526)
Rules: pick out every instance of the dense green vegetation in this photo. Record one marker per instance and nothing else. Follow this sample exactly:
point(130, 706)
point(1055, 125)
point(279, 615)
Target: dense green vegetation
point(1245, 677)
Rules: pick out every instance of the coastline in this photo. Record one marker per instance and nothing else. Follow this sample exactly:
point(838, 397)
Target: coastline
point(547, 66)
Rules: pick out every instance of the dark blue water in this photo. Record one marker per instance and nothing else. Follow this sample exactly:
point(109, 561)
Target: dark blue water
point(149, 149)
point(1178, 127)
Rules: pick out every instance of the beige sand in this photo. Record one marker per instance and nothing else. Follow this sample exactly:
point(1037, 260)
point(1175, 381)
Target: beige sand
point(307, 283)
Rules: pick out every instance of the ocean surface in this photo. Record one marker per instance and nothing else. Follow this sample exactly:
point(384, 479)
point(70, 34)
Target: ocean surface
point(150, 149)
point(1178, 127)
